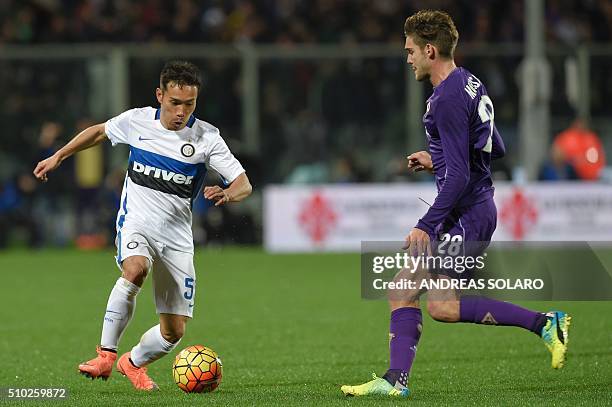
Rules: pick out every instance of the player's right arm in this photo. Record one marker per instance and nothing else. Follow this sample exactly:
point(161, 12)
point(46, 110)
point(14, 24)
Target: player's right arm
point(451, 117)
point(87, 138)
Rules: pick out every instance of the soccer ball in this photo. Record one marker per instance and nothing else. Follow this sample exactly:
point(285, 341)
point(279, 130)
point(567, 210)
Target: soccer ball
point(197, 369)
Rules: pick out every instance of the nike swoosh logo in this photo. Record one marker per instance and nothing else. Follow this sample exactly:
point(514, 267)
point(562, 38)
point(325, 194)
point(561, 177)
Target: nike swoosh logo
point(190, 305)
point(143, 139)
point(559, 331)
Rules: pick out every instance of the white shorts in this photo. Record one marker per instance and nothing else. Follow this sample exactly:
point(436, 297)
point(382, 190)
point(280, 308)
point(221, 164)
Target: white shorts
point(173, 271)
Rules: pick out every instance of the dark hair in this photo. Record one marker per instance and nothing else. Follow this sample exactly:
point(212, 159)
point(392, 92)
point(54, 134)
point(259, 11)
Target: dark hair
point(434, 27)
point(182, 73)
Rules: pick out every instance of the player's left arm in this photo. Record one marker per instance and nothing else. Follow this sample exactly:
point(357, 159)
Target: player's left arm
point(420, 161)
point(499, 149)
point(223, 161)
point(238, 190)
point(451, 117)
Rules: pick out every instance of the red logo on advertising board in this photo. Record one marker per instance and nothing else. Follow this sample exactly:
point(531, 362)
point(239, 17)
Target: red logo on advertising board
point(518, 213)
point(317, 217)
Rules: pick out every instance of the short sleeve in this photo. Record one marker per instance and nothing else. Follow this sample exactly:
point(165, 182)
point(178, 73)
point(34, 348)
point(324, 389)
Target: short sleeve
point(118, 128)
point(223, 161)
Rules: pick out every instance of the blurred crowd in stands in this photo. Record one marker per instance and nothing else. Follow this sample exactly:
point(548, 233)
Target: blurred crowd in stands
point(329, 120)
point(285, 21)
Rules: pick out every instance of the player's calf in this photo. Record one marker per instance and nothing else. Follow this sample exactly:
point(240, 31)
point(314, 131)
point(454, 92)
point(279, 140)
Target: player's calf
point(152, 346)
point(172, 327)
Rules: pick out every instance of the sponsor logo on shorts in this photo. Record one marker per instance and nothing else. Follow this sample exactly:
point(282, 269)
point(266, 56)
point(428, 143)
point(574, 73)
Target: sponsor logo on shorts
point(132, 245)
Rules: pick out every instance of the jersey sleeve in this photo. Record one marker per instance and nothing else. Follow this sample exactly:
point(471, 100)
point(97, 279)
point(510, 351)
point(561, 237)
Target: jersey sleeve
point(452, 121)
point(223, 161)
point(498, 148)
point(117, 129)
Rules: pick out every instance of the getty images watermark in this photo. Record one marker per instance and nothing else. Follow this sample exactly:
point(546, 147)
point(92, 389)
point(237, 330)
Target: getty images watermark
point(458, 264)
point(504, 270)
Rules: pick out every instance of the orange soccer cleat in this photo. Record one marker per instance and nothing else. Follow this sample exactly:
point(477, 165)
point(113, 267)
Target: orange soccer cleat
point(137, 375)
point(99, 367)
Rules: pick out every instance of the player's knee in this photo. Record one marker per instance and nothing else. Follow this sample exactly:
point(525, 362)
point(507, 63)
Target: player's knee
point(442, 311)
point(435, 310)
point(174, 333)
point(135, 269)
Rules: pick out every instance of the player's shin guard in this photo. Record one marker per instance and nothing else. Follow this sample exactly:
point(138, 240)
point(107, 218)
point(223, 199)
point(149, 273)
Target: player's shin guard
point(483, 310)
point(119, 311)
point(404, 334)
point(152, 346)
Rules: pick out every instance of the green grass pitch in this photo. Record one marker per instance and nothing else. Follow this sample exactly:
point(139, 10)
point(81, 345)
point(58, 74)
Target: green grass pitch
point(290, 329)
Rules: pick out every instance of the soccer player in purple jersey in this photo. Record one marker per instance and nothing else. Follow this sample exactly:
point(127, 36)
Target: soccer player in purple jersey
point(460, 129)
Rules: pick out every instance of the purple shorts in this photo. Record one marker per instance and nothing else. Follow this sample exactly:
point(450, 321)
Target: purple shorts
point(466, 232)
point(475, 223)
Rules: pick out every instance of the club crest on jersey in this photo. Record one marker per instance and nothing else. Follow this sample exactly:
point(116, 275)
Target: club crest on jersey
point(187, 150)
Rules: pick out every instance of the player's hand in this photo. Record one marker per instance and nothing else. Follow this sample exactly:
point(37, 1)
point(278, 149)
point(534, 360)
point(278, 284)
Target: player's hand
point(217, 194)
point(46, 166)
point(417, 243)
point(420, 161)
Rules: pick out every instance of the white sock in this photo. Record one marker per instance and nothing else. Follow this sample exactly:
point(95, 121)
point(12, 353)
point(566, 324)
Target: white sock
point(151, 347)
point(119, 311)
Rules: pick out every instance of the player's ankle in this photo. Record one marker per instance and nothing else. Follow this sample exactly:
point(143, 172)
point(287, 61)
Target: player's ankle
point(133, 364)
point(394, 376)
point(539, 324)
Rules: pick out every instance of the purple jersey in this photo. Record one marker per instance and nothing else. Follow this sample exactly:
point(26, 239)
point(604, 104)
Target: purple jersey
point(462, 138)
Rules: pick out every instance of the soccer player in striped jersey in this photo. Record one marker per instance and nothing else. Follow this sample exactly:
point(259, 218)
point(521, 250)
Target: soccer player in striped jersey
point(170, 153)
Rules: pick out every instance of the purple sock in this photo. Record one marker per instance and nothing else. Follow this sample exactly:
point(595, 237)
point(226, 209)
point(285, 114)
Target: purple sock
point(483, 310)
point(404, 333)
